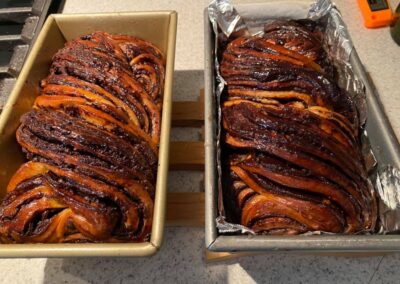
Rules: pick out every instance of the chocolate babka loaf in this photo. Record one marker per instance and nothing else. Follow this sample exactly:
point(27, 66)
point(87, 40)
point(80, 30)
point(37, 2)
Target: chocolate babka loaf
point(292, 156)
point(92, 141)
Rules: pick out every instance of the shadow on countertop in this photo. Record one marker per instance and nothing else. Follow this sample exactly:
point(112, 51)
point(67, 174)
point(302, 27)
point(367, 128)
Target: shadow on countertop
point(182, 260)
point(187, 84)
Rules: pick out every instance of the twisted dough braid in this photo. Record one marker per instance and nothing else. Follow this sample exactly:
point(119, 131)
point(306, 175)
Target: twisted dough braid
point(92, 140)
point(293, 161)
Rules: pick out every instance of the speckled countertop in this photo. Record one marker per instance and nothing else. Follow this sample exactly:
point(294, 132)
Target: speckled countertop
point(181, 259)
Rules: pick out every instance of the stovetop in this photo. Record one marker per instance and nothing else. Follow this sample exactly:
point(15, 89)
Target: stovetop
point(20, 23)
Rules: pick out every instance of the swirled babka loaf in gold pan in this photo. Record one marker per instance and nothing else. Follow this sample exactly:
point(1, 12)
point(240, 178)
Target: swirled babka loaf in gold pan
point(92, 144)
point(292, 160)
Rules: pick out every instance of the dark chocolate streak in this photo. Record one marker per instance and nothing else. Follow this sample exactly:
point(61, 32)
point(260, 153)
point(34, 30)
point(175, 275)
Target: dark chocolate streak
point(77, 137)
point(292, 145)
point(92, 139)
point(64, 80)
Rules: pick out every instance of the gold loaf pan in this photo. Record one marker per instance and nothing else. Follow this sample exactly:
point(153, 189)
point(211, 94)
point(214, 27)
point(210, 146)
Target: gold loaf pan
point(156, 27)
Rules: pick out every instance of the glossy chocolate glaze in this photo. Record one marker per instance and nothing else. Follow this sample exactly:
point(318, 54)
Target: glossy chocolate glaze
point(292, 158)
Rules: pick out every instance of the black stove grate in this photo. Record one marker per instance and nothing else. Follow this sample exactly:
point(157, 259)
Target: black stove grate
point(20, 23)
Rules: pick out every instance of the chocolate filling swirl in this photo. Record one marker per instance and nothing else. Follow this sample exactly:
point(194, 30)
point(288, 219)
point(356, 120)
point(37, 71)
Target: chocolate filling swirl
point(292, 159)
point(92, 140)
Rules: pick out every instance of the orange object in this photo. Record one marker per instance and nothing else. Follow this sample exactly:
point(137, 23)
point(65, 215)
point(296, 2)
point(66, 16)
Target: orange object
point(376, 13)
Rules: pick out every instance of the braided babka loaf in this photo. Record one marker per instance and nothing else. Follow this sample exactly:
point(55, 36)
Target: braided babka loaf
point(292, 157)
point(92, 141)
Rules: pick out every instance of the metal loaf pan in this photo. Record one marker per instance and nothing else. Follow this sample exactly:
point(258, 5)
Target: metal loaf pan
point(156, 27)
point(384, 145)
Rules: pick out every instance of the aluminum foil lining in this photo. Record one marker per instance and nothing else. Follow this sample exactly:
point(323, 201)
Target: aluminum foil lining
point(228, 23)
point(387, 185)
